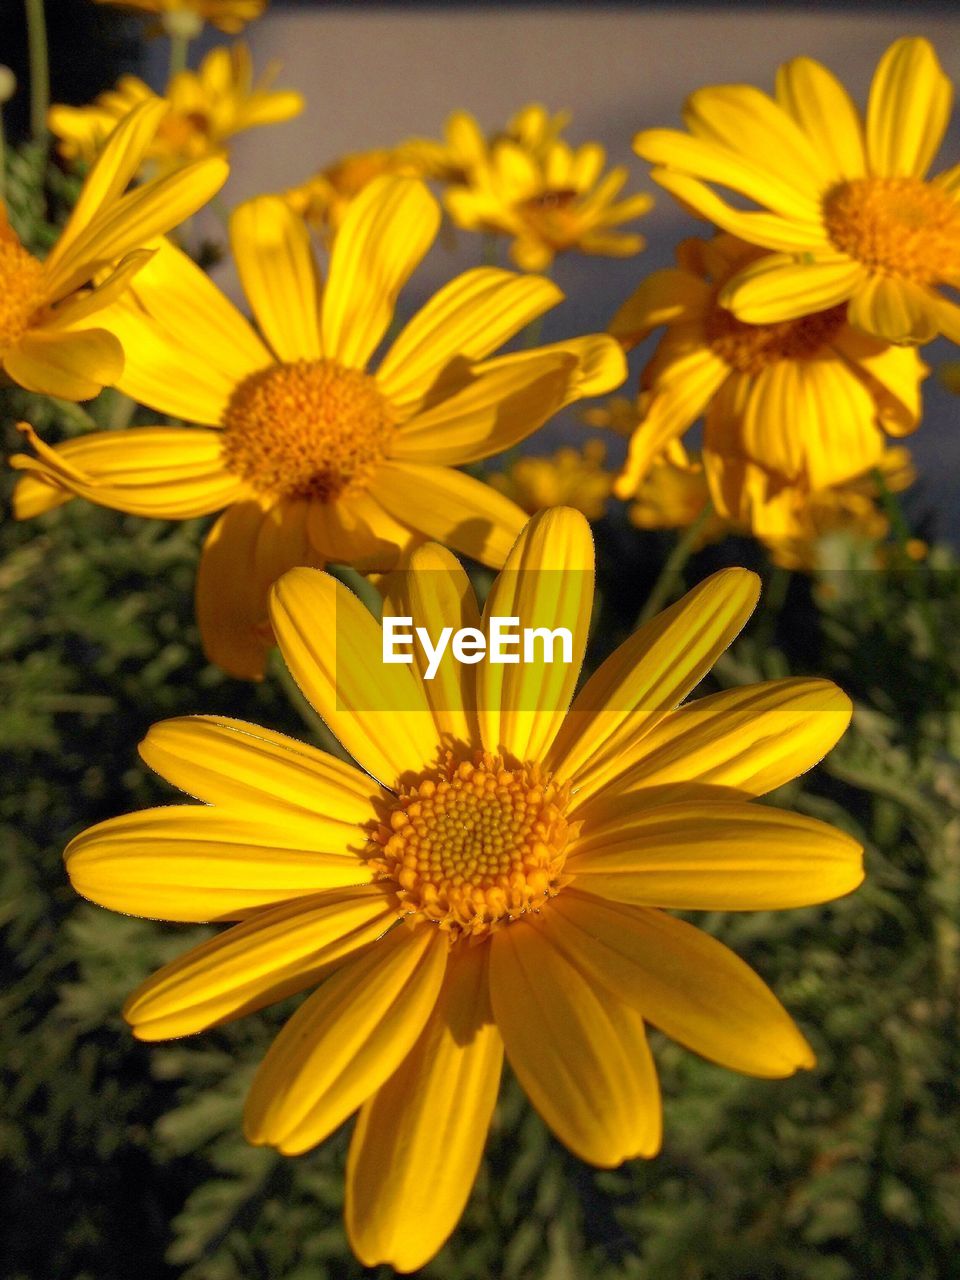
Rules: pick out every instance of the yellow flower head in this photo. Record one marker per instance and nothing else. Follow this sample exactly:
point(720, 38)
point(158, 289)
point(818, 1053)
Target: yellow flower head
point(496, 874)
point(673, 495)
point(547, 196)
point(317, 458)
point(806, 402)
point(465, 147)
point(570, 477)
point(229, 15)
point(207, 108)
point(845, 203)
point(322, 201)
point(51, 339)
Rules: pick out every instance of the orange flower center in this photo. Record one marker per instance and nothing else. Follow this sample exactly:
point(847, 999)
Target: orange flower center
point(21, 290)
point(475, 843)
point(552, 216)
point(751, 347)
point(308, 429)
point(898, 226)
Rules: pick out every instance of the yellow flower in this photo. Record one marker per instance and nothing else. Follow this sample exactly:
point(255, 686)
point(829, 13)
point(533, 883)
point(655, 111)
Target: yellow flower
point(229, 15)
point(465, 146)
point(575, 478)
point(323, 200)
point(619, 414)
point(802, 525)
point(316, 459)
point(805, 402)
point(845, 204)
point(207, 108)
point(549, 199)
point(673, 495)
point(50, 312)
point(493, 876)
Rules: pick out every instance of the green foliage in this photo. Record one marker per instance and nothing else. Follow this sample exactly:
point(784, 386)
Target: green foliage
point(122, 1160)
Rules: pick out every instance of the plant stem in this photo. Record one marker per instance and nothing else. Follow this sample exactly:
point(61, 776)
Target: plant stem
point(179, 46)
point(39, 69)
point(673, 566)
point(317, 727)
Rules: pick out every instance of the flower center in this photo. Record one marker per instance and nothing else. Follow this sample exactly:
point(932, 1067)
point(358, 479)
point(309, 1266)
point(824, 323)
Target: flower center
point(475, 843)
point(751, 347)
point(21, 290)
point(898, 226)
point(552, 216)
point(308, 429)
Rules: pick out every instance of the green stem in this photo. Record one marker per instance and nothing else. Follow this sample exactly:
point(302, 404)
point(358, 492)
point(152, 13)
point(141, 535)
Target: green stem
point(39, 69)
point(673, 566)
point(179, 47)
point(313, 722)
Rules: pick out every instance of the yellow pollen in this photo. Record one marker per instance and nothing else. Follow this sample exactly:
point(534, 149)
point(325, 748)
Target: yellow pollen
point(898, 226)
point(475, 843)
point(308, 429)
point(749, 348)
point(21, 290)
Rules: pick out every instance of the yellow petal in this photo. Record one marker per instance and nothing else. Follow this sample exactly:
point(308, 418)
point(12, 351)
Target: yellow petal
point(778, 287)
point(334, 650)
point(733, 745)
point(90, 302)
point(231, 609)
point(450, 507)
point(70, 365)
point(189, 862)
point(908, 110)
point(546, 583)
point(894, 375)
point(715, 857)
point(463, 322)
point(356, 530)
point(272, 249)
point(599, 363)
point(345, 1041)
point(492, 413)
point(433, 589)
point(419, 1139)
point(273, 955)
point(581, 1056)
point(667, 297)
point(839, 423)
point(648, 676)
point(823, 109)
point(894, 310)
point(167, 473)
point(683, 981)
point(387, 230)
point(240, 765)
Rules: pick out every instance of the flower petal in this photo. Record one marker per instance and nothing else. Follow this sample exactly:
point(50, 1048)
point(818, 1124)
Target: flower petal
point(272, 249)
point(463, 322)
point(715, 857)
point(73, 365)
point(387, 230)
point(581, 1056)
point(648, 676)
point(778, 287)
point(908, 110)
point(273, 955)
point(894, 310)
point(230, 762)
point(419, 1139)
point(346, 1041)
point(334, 649)
point(823, 109)
point(546, 583)
point(667, 297)
point(356, 530)
point(683, 981)
point(190, 862)
point(450, 507)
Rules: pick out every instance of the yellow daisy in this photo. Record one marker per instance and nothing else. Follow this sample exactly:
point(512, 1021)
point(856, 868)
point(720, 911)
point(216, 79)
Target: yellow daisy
point(577, 478)
point(492, 876)
point(207, 108)
point(316, 459)
point(229, 15)
point(465, 146)
point(50, 312)
point(674, 494)
point(805, 401)
point(845, 203)
point(549, 200)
